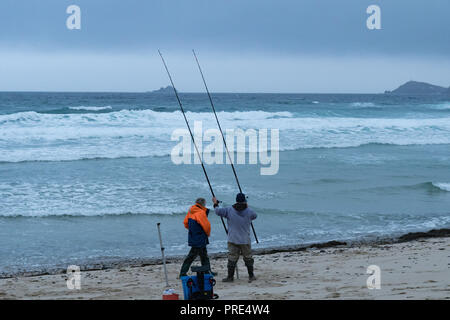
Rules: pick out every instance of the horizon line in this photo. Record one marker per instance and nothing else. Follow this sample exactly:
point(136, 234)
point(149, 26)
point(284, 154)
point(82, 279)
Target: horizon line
point(189, 92)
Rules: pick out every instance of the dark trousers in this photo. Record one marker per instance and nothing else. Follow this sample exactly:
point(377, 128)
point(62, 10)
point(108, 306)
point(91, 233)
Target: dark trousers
point(193, 253)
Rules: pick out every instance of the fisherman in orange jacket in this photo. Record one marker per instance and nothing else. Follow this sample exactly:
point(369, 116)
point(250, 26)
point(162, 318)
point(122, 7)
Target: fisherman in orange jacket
point(196, 221)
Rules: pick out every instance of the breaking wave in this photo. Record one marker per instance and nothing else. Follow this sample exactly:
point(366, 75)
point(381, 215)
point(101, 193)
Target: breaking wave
point(32, 136)
point(91, 108)
point(363, 104)
point(442, 186)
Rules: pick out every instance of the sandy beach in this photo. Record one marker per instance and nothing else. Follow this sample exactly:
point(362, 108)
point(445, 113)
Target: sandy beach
point(418, 269)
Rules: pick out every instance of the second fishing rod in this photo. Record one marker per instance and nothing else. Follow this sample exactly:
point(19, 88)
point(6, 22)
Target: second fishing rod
point(190, 132)
point(223, 137)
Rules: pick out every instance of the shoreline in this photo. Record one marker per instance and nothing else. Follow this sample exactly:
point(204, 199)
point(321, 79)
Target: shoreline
point(407, 270)
point(99, 265)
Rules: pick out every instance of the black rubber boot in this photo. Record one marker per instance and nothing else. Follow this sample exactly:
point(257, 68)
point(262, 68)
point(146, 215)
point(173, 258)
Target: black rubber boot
point(231, 268)
point(251, 276)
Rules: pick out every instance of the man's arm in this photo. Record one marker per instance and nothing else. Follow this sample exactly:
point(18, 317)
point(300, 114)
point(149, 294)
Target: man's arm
point(253, 214)
point(205, 224)
point(186, 221)
point(221, 212)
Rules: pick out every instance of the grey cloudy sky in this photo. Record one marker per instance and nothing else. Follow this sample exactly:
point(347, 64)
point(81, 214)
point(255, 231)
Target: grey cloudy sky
point(244, 46)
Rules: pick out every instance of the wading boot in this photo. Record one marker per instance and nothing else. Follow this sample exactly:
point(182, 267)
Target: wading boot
point(231, 268)
point(251, 276)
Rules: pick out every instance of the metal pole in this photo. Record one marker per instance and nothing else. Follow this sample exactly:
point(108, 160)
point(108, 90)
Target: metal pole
point(162, 253)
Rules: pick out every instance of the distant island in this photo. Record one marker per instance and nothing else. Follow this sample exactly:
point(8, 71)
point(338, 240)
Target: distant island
point(408, 88)
point(419, 88)
point(164, 90)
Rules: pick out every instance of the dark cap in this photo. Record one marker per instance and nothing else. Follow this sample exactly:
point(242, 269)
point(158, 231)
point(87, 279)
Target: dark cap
point(240, 197)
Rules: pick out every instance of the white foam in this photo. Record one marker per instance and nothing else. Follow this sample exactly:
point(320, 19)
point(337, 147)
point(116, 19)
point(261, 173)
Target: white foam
point(363, 104)
point(91, 108)
point(32, 136)
point(442, 185)
point(441, 106)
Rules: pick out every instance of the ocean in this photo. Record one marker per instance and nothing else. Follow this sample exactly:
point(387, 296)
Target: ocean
point(86, 176)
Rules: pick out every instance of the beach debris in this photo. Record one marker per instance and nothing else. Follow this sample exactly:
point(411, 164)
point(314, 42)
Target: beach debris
point(430, 234)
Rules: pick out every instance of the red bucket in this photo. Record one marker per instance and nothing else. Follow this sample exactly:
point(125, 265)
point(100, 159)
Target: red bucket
point(173, 296)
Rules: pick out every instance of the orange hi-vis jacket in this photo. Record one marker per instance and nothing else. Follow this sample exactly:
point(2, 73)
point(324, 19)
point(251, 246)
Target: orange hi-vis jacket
point(198, 213)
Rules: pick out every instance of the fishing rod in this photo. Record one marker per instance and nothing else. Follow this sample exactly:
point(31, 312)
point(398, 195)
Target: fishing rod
point(190, 132)
point(223, 137)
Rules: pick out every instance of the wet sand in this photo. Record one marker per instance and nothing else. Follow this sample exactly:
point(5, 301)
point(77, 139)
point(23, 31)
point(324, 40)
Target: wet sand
point(416, 269)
